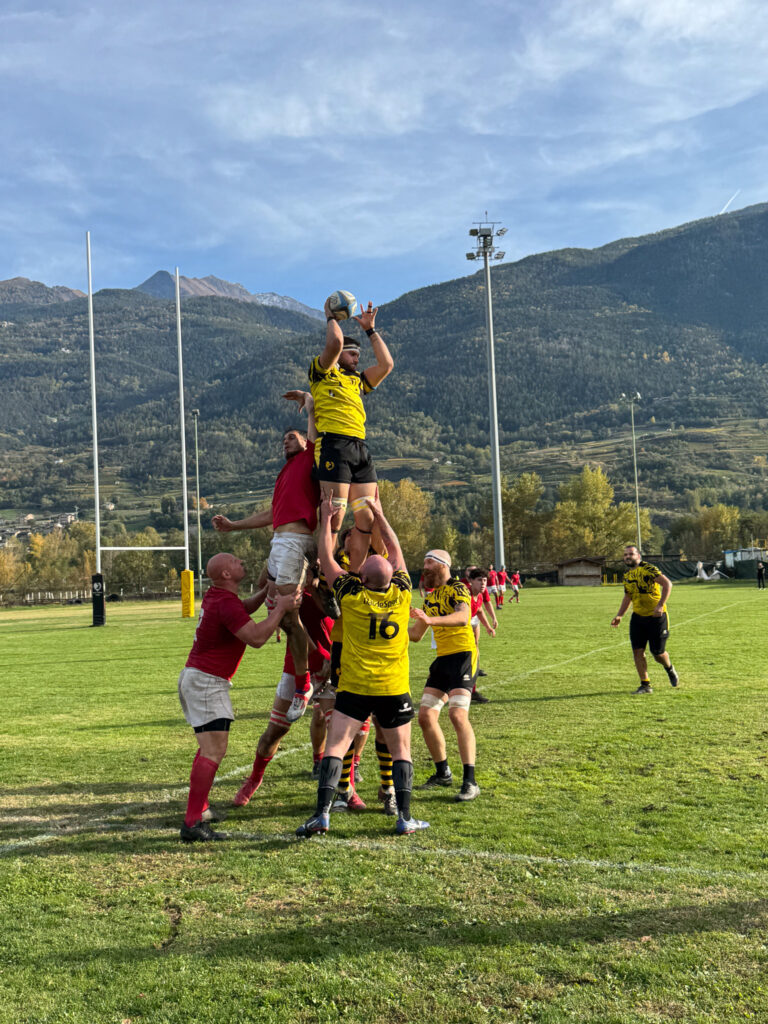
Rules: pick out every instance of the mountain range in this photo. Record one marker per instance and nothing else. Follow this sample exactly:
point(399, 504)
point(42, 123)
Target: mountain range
point(677, 315)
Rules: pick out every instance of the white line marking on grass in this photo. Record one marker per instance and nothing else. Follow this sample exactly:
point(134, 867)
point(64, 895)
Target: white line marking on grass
point(399, 844)
point(166, 796)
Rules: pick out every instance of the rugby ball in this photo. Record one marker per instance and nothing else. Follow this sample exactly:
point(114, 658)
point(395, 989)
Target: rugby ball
point(342, 305)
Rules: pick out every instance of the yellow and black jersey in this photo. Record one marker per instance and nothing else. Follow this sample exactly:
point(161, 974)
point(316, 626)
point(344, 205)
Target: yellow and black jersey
point(338, 396)
point(445, 600)
point(642, 584)
point(342, 558)
point(374, 656)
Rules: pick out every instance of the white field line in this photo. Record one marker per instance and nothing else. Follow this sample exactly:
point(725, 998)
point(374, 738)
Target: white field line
point(102, 821)
point(407, 846)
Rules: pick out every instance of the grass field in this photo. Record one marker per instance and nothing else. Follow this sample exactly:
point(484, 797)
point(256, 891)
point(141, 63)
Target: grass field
point(613, 870)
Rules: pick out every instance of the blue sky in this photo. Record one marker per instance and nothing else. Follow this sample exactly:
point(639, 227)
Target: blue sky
point(307, 146)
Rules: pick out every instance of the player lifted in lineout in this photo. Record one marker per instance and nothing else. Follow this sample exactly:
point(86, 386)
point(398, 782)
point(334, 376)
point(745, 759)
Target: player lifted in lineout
point(343, 463)
point(646, 589)
point(375, 607)
point(292, 515)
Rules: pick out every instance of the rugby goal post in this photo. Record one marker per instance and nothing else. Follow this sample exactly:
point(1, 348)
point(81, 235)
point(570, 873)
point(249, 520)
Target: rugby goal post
point(97, 580)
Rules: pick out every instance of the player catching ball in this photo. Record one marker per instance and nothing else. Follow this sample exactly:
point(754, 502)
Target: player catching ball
point(343, 463)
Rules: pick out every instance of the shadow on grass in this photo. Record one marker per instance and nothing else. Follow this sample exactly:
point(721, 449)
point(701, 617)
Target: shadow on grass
point(413, 927)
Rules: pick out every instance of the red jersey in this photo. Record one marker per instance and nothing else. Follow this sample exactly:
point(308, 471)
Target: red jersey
point(296, 495)
point(216, 649)
point(502, 577)
point(477, 601)
point(319, 627)
point(492, 577)
point(515, 579)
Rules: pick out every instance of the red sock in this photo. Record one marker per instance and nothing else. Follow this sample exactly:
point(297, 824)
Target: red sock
point(302, 683)
point(259, 767)
point(200, 781)
point(317, 757)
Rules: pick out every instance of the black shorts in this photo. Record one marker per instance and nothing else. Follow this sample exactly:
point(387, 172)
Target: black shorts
point(451, 672)
point(335, 664)
point(391, 711)
point(649, 629)
point(344, 460)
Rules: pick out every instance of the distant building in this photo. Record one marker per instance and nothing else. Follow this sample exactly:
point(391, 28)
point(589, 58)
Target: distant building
point(580, 572)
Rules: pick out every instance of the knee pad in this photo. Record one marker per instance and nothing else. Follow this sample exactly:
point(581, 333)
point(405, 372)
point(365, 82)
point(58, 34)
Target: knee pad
point(360, 504)
point(429, 700)
point(278, 718)
point(460, 700)
point(339, 504)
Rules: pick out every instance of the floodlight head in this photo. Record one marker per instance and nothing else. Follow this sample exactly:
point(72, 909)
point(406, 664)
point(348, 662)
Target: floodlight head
point(471, 255)
point(195, 413)
point(622, 395)
point(473, 232)
point(638, 396)
point(485, 232)
point(499, 255)
point(501, 232)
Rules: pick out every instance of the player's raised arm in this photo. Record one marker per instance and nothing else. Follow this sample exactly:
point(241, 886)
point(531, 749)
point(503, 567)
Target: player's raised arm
point(256, 634)
point(385, 364)
point(334, 339)
point(331, 568)
point(305, 402)
point(388, 536)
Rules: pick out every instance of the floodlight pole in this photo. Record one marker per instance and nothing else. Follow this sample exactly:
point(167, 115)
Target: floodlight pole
point(97, 580)
point(195, 417)
point(484, 233)
point(632, 399)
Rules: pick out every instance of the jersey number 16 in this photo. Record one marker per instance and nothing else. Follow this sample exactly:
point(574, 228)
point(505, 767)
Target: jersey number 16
point(387, 630)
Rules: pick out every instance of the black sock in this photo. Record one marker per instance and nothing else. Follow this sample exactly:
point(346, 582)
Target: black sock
point(670, 668)
point(442, 768)
point(330, 773)
point(469, 773)
point(402, 776)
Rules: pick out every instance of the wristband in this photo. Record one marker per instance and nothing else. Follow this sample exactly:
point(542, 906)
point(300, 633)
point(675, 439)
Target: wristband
point(371, 330)
point(329, 318)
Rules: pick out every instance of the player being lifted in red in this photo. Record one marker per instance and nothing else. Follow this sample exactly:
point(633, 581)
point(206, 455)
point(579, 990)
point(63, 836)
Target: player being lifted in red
point(225, 628)
point(292, 515)
point(318, 626)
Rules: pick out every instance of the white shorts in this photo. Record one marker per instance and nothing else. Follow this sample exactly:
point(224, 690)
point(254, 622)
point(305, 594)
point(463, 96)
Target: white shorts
point(289, 557)
point(474, 621)
point(204, 697)
point(493, 590)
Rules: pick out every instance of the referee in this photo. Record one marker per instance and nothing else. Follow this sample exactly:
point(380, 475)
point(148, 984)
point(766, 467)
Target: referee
point(646, 588)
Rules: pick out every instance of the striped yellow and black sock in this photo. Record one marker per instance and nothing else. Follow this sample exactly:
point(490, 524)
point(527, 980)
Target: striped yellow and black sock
point(346, 770)
point(385, 764)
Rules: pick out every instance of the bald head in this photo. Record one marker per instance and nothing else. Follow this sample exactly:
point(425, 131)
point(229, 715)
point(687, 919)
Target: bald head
point(376, 573)
point(225, 570)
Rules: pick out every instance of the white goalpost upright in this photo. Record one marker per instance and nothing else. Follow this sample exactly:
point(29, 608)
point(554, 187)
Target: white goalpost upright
point(97, 580)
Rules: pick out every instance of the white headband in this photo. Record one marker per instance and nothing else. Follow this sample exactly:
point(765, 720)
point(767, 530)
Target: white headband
point(438, 558)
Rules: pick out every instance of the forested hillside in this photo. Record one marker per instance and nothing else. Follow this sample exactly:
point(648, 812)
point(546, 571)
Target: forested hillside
point(676, 315)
